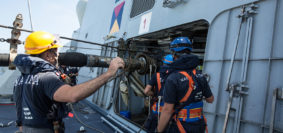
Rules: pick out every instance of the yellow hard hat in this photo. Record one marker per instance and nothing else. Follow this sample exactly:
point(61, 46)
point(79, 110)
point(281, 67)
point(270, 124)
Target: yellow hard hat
point(39, 41)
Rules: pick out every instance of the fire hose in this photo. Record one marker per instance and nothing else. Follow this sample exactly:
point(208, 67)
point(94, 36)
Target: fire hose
point(141, 63)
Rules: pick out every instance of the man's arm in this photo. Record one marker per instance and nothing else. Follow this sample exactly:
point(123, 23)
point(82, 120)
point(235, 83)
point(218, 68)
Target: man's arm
point(207, 91)
point(148, 90)
point(210, 99)
point(166, 113)
point(67, 93)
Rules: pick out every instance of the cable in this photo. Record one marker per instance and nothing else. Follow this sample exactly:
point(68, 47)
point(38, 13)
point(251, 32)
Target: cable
point(83, 41)
point(79, 120)
point(62, 37)
point(6, 125)
point(98, 49)
point(30, 15)
point(105, 50)
point(9, 27)
point(83, 48)
point(152, 47)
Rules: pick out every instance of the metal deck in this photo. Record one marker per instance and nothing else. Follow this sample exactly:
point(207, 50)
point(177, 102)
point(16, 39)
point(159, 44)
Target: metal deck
point(85, 113)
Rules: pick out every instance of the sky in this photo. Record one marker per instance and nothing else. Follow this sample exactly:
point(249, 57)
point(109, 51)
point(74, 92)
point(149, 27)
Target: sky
point(54, 16)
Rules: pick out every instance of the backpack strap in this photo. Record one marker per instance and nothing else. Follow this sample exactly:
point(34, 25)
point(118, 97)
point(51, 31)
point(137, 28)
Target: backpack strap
point(191, 85)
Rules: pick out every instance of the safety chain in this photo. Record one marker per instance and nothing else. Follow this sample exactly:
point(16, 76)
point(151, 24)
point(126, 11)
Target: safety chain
point(11, 40)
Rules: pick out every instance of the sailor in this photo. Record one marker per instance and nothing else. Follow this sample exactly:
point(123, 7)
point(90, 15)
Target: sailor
point(40, 93)
point(155, 90)
point(184, 91)
point(71, 72)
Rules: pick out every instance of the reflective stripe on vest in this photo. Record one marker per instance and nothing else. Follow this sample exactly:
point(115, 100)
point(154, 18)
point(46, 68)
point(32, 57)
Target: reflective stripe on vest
point(154, 107)
point(191, 113)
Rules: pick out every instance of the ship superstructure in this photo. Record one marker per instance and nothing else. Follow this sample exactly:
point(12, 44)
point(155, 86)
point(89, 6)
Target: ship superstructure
point(238, 43)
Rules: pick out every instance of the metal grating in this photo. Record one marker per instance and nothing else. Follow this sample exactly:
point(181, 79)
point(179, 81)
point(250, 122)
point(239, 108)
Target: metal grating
point(140, 6)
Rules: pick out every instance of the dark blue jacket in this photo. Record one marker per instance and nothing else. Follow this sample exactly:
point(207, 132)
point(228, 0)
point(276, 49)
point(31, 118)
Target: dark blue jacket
point(186, 62)
point(34, 90)
point(176, 85)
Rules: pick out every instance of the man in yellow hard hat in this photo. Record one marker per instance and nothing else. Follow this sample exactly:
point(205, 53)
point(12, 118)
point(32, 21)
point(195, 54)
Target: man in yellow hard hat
point(40, 93)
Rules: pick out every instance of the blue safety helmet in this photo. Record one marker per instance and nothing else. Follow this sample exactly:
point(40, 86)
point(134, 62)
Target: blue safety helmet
point(181, 43)
point(168, 59)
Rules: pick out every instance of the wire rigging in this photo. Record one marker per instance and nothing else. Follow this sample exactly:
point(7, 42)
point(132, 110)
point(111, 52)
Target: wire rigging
point(29, 9)
point(88, 42)
point(76, 47)
point(80, 121)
